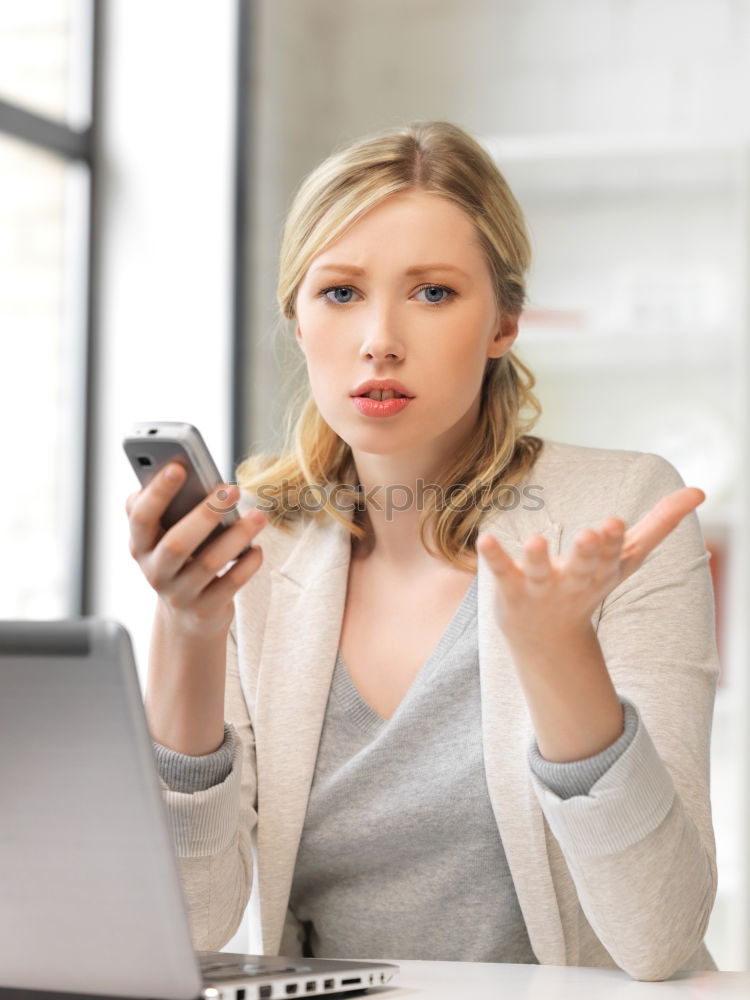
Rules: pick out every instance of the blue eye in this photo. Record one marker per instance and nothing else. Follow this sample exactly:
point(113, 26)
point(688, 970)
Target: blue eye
point(448, 293)
point(437, 288)
point(337, 288)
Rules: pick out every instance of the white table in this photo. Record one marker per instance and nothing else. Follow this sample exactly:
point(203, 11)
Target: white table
point(499, 981)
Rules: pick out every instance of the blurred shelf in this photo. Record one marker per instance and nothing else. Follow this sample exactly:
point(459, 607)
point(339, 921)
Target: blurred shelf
point(561, 348)
point(613, 145)
point(619, 164)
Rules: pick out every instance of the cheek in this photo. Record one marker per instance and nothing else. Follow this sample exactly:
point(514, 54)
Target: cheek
point(312, 343)
point(457, 369)
point(325, 372)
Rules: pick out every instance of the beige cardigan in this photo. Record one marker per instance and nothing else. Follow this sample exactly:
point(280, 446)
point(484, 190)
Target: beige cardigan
point(624, 877)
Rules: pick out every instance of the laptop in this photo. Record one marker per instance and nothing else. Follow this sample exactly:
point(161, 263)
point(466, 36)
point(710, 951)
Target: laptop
point(90, 896)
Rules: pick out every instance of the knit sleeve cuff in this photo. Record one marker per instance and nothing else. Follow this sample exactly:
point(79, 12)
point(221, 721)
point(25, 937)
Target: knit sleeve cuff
point(188, 774)
point(577, 777)
point(623, 806)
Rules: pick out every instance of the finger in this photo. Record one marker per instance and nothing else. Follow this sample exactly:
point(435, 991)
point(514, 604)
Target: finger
point(497, 558)
point(583, 560)
point(176, 547)
point(612, 534)
point(662, 519)
point(196, 577)
point(149, 505)
point(610, 554)
point(535, 560)
point(612, 537)
point(130, 501)
point(223, 588)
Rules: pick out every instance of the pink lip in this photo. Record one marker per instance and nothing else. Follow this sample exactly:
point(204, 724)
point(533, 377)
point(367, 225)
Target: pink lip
point(380, 408)
point(388, 383)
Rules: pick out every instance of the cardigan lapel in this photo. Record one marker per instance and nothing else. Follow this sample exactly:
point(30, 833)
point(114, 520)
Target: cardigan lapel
point(301, 638)
point(297, 659)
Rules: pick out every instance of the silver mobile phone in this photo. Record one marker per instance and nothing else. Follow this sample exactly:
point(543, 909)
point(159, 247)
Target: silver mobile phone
point(150, 445)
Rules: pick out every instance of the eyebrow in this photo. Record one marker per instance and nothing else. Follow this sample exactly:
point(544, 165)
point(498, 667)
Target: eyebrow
point(417, 269)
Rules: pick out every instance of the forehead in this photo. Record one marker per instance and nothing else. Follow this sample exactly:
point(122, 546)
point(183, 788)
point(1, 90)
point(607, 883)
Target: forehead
point(406, 228)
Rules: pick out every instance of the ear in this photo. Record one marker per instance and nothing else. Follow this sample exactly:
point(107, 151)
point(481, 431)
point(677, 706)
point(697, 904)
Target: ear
point(298, 338)
point(503, 340)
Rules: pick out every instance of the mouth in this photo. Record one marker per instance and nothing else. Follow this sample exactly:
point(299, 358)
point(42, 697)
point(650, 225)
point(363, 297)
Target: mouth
point(381, 394)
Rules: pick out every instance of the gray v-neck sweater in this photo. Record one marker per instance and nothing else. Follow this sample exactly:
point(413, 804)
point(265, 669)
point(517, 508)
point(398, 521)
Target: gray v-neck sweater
point(400, 853)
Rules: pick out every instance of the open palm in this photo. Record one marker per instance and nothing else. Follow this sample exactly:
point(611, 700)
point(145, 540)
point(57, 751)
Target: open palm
point(538, 594)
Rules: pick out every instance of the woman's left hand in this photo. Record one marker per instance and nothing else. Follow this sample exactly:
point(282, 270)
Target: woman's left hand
point(538, 597)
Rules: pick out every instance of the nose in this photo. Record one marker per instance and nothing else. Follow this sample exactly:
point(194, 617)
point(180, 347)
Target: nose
point(380, 338)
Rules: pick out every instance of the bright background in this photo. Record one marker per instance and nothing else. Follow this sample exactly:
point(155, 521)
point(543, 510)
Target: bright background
point(149, 151)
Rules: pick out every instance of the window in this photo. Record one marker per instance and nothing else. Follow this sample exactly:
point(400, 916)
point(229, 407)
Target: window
point(46, 126)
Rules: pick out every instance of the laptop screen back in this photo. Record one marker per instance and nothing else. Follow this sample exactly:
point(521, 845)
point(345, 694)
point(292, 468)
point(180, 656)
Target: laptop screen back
point(90, 898)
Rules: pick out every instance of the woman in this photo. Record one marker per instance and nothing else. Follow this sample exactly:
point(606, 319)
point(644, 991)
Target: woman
point(459, 707)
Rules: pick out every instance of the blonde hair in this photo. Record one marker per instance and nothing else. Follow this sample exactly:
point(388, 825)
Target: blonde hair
point(437, 157)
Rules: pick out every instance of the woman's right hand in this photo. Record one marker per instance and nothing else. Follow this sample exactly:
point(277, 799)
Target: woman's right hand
point(198, 602)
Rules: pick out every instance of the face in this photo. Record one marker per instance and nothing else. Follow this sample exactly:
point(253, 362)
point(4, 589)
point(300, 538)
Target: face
point(433, 331)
